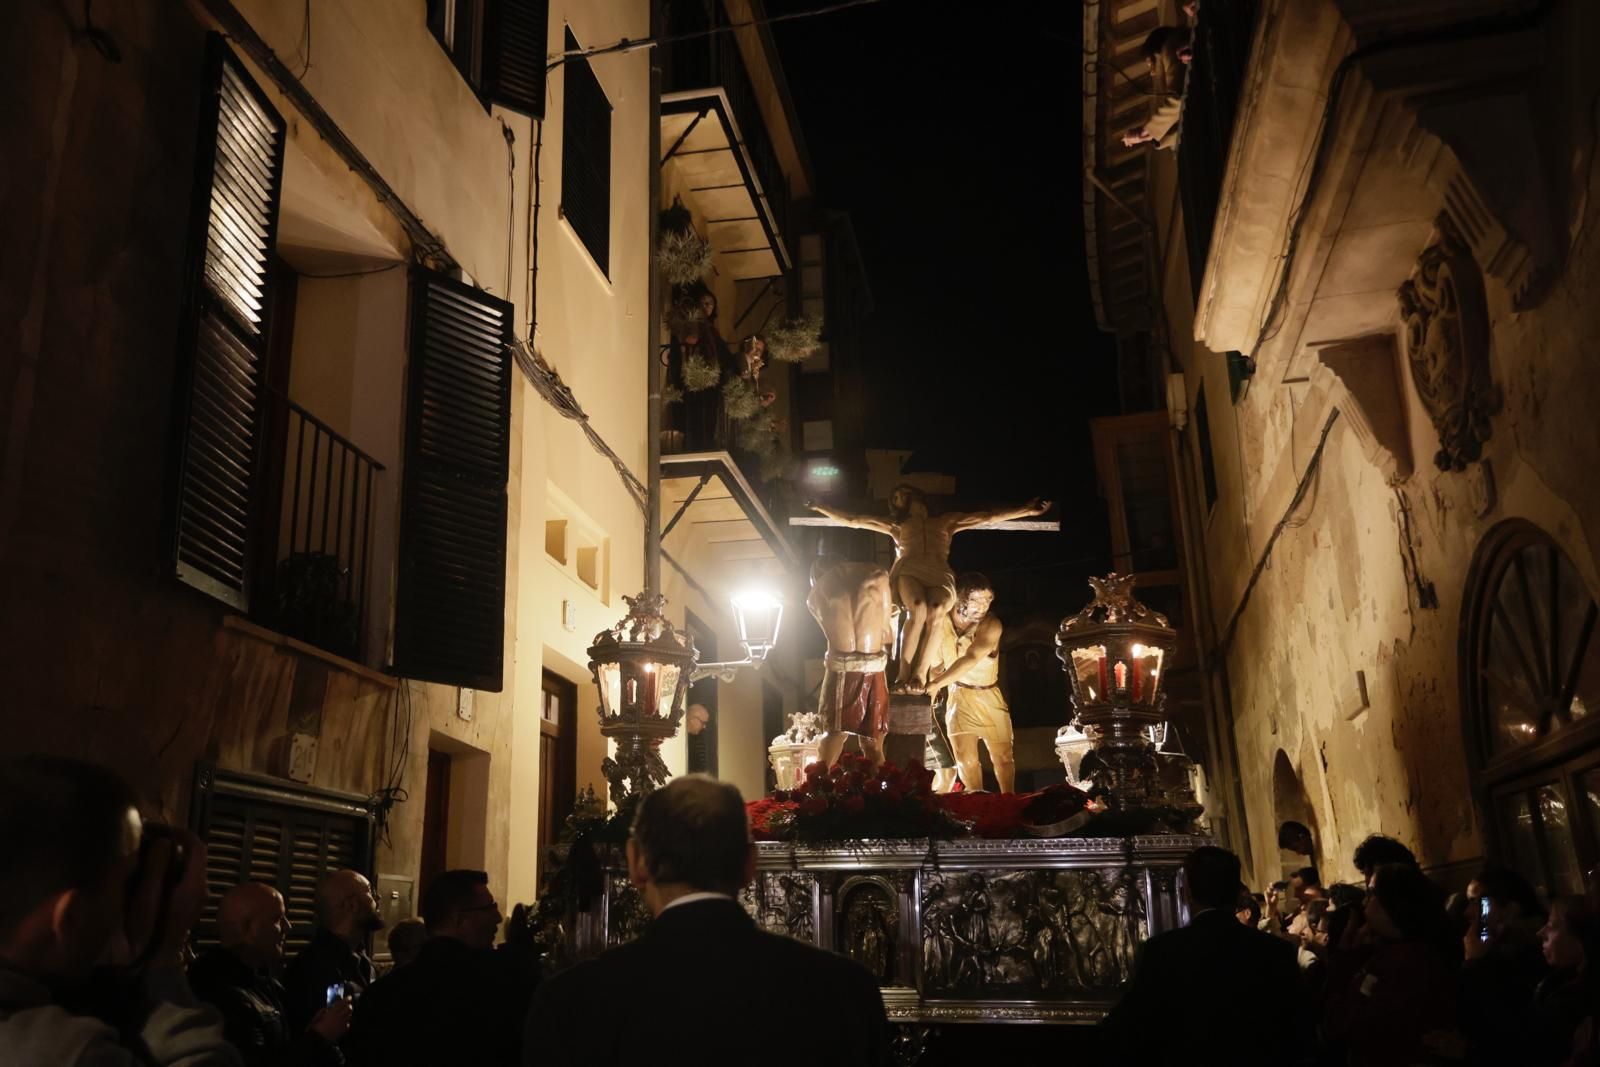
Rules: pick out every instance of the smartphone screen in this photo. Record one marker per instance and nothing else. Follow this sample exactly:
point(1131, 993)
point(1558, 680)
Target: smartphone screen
point(335, 991)
point(1483, 918)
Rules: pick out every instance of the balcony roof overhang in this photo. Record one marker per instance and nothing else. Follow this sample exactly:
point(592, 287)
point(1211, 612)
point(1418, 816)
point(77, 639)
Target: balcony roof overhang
point(714, 524)
point(703, 137)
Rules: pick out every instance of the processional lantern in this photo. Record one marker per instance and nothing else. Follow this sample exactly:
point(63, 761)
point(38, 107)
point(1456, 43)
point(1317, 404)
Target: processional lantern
point(1114, 651)
point(642, 667)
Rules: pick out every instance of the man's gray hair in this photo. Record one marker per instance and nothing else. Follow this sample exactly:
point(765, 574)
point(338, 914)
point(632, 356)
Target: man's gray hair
point(694, 831)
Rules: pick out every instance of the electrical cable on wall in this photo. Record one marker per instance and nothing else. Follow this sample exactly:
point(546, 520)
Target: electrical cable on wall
point(626, 45)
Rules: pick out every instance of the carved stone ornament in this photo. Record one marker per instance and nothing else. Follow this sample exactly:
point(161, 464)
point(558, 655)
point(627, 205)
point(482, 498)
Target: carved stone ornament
point(1447, 347)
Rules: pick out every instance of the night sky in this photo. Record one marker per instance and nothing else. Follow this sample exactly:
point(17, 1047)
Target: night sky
point(952, 138)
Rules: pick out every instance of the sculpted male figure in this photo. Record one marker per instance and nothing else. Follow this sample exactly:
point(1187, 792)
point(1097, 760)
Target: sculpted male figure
point(921, 580)
point(850, 601)
point(978, 710)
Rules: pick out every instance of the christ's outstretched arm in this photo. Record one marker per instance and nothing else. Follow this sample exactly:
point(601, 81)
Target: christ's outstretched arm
point(972, 519)
point(855, 522)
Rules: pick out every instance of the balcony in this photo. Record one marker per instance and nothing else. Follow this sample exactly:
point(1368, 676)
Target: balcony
point(713, 128)
point(317, 518)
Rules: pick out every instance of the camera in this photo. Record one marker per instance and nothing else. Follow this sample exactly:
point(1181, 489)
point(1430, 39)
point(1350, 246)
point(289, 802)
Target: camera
point(177, 864)
point(335, 992)
point(1483, 918)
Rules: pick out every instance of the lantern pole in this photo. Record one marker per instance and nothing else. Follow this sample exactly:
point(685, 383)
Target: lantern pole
point(653, 368)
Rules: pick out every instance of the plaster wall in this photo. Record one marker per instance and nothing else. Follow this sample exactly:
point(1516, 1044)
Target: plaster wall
point(1345, 590)
point(115, 662)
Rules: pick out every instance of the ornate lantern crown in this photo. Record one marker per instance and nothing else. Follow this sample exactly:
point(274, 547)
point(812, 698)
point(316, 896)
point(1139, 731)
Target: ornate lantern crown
point(1113, 649)
point(641, 667)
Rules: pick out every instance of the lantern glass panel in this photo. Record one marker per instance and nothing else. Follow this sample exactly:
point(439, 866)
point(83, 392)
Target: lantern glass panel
point(1088, 669)
point(610, 689)
point(667, 677)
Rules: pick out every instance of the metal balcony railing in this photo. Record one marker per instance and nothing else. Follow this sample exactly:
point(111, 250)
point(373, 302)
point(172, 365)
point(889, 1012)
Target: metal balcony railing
point(321, 520)
point(712, 61)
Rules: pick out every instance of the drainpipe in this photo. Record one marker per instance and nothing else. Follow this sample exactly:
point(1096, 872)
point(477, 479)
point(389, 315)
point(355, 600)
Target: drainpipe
point(652, 511)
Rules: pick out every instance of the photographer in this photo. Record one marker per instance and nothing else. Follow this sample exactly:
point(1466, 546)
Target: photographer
point(92, 925)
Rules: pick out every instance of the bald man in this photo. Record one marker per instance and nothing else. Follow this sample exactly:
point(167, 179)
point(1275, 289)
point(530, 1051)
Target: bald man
point(347, 915)
point(235, 977)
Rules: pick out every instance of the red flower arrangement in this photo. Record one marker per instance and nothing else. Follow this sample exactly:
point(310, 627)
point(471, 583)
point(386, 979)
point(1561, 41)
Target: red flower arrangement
point(853, 800)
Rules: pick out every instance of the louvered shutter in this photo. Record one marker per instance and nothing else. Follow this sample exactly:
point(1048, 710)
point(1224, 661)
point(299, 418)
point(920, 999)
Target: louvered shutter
point(515, 39)
point(586, 158)
point(289, 846)
point(239, 178)
point(450, 605)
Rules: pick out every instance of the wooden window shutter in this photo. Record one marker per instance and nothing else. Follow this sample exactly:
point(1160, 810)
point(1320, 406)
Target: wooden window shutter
point(515, 42)
point(224, 340)
point(586, 158)
point(450, 605)
point(288, 838)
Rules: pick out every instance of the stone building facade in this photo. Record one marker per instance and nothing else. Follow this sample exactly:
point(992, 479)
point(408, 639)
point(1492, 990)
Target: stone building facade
point(1365, 268)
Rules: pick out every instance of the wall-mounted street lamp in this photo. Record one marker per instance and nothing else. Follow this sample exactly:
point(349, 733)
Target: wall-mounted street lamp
point(758, 615)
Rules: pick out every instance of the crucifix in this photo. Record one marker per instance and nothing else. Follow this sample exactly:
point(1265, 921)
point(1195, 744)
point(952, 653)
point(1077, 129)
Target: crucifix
point(924, 587)
point(921, 581)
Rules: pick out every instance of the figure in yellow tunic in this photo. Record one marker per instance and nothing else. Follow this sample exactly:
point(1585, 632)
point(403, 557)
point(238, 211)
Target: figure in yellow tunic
point(978, 711)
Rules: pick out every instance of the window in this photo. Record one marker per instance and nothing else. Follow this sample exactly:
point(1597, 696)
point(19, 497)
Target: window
point(586, 158)
point(1531, 677)
point(266, 830)
point(498, 46)
point(1202, 433)
point(450, 604)
point(224, 340)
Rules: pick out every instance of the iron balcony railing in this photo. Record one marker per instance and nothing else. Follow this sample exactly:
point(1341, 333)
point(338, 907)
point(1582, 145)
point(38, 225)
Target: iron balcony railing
point(321, 520)
point(714, 60)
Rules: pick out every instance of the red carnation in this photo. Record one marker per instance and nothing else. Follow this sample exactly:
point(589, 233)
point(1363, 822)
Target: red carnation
point(813, 806)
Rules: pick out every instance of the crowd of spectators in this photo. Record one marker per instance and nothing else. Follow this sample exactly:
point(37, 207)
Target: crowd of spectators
point(1394, 971)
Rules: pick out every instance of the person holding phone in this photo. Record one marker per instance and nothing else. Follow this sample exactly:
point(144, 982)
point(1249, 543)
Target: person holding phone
point(94, 914)
point(1504, 962)
point(236, 978)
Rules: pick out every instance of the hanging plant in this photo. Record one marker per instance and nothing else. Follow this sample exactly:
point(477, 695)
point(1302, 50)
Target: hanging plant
point(676, 218)
point(699, 374)
point(794, 340)
point(671, 394)
point(758, 436)
point(739, 399)
point(683, 256)
point(773, 467)
point(683, 317)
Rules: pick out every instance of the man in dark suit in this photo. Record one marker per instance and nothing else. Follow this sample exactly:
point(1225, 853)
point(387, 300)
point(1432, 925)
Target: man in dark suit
point(1213, 992)
point(703, 984)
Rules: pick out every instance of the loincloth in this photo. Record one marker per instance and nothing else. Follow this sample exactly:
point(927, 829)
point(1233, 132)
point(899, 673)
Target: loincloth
point(929, 573)
point(981, 711)
point(855, 693)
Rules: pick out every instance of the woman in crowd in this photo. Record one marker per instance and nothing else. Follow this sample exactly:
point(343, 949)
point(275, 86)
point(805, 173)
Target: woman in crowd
point(1567, 995)
point(1398, 1007)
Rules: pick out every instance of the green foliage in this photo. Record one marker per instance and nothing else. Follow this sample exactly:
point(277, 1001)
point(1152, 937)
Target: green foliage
point(671, 394)
point(739, 399)
point(794, 340)
point(683, 256)
point(700, 374)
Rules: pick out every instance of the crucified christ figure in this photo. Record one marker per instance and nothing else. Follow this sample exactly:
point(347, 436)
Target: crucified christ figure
point(921, 580)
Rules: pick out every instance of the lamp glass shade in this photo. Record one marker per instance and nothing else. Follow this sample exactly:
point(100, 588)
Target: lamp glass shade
point(609, 679)
point(758, 615)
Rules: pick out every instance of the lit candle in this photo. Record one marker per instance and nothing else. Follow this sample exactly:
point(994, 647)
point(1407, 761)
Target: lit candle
point(1138, 664)
point(1103, 686)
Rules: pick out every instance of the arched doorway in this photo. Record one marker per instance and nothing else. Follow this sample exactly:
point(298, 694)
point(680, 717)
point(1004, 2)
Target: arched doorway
point(1290, 804)
point(1530, 686)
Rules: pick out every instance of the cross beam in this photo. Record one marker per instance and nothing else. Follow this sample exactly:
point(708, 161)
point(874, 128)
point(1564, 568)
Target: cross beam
point(1010, 525)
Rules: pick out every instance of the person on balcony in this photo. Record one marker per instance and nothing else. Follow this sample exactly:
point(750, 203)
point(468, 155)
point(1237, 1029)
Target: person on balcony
point(1167, 53)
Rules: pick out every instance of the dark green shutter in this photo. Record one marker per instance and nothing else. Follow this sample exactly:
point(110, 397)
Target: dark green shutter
point(515, 42)
point(224, 341)
point(450, 606)
point(586, 158)
point(287, 837)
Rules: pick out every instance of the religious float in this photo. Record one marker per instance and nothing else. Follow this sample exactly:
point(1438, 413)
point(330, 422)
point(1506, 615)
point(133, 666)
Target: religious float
point(967, 906)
